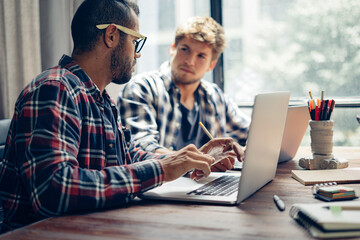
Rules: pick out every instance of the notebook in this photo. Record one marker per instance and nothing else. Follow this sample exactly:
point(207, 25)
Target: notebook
point(260, 160)
point(344, 175)
point(332, 192)
point(297, 121)
point(328, 220)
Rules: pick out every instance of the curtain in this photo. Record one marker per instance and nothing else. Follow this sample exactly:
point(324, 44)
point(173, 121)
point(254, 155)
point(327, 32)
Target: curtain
point(33, 36)
point(20, 58)
point(55, 30)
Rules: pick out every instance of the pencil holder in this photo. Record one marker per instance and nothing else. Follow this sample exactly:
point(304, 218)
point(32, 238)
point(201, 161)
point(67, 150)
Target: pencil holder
point(321, 134)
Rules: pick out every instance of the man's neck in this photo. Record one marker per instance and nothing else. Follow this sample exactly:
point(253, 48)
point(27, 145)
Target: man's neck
point(188, 94)
point(94, 67)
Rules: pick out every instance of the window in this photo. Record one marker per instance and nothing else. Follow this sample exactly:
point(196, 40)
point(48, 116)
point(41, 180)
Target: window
point(274, 45)
point(297, 46)
point(292, 45)
point(158, 21)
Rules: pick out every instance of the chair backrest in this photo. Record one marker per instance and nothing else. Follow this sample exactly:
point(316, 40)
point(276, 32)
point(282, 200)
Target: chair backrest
point(4, 130)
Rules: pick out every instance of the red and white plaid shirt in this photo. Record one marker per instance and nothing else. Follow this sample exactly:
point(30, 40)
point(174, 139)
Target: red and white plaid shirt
point(62, 154)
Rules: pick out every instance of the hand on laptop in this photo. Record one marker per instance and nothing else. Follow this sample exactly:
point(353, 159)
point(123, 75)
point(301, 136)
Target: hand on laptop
point(225, 151)
point(188, 158)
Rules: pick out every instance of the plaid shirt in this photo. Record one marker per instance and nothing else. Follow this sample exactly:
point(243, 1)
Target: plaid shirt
point(150, 106)
point(60, 156)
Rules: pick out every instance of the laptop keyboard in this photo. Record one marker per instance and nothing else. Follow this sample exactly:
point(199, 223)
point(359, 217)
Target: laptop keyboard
point(222, 186)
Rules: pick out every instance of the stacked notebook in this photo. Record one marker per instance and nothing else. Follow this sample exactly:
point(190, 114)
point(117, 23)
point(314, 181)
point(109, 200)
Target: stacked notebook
point(335, 193)
point(329, 220)
point(332, 192)
point(310, 177)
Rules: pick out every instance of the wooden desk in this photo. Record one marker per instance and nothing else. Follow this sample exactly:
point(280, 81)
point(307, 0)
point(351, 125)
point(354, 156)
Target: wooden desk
point(255, 218)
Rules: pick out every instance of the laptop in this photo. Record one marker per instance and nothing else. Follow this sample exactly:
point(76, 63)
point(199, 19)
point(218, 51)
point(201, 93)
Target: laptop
point(260, 160)
point(297, 122)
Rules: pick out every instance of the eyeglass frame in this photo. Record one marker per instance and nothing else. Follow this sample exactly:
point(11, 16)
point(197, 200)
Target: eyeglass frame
point(127, 31)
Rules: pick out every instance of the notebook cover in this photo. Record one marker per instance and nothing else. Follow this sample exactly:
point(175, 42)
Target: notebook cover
point(310, 177)
point(323, 223)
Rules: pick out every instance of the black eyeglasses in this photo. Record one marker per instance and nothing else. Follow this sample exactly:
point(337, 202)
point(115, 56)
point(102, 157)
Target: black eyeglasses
point(139, 43)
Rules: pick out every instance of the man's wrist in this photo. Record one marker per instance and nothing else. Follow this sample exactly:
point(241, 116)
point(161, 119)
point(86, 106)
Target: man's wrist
point(162, 150)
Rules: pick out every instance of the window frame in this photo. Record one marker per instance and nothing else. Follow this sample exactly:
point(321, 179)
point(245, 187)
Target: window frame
point(218, 71)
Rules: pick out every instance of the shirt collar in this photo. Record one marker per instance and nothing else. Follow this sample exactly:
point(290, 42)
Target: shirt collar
point(165, 72)
point(70, 64)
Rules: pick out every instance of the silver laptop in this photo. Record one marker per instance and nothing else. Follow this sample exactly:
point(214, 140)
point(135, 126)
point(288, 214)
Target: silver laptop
point(297, 121)
point(260, 163)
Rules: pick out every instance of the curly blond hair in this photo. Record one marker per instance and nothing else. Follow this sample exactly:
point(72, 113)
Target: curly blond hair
point(203, 29)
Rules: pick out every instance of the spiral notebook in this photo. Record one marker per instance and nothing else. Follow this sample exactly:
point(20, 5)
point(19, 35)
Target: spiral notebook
point(322, 221)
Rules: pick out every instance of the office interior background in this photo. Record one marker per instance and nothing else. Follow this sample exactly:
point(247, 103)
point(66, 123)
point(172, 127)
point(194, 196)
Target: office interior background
point(272, 45)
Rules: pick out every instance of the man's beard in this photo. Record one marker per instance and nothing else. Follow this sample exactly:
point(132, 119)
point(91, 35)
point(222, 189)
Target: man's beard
point(120, 66)
point(178, 80)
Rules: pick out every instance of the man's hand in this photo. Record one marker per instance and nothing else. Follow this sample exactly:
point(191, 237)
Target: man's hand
point(225, 151)
point(188, 158)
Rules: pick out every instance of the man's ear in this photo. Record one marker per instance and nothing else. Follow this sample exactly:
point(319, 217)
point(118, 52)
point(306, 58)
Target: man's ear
point(172, 49)
point(212, 64)
point(111, 36)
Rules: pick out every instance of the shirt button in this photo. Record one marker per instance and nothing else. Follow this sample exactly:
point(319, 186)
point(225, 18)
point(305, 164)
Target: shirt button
point(111, 145)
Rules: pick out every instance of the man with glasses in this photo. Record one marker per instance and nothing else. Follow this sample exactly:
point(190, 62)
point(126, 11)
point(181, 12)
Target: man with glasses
point(163, 108)
point(66, 149)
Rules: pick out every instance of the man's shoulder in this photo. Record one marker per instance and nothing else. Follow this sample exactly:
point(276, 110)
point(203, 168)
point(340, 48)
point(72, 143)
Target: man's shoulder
point(147, 76)
point(152, 81)
point(55, 72)
point(211, 88)
point(155, 76)
point(56, 77)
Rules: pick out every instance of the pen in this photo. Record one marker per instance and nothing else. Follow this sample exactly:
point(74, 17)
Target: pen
point(211, 137)
point(317, 118)
point(205, 130)
point(325, 110)
point(279, 203)
point(322, 109)
point(331, 108)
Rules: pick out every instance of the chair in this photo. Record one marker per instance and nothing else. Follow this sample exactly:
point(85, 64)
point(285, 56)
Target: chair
point(4, 129)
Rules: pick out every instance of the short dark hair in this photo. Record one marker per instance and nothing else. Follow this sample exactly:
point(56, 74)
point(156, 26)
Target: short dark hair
point(93, 12)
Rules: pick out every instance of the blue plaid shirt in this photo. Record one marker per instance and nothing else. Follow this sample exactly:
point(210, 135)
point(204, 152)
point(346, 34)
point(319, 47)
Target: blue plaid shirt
point(63, 153)
point(150, 106)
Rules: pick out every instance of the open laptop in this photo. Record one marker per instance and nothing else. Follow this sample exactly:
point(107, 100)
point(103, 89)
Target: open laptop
point(297, 121)
point(260, 163)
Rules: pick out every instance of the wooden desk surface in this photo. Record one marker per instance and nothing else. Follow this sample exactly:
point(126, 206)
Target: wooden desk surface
point(255, 218)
